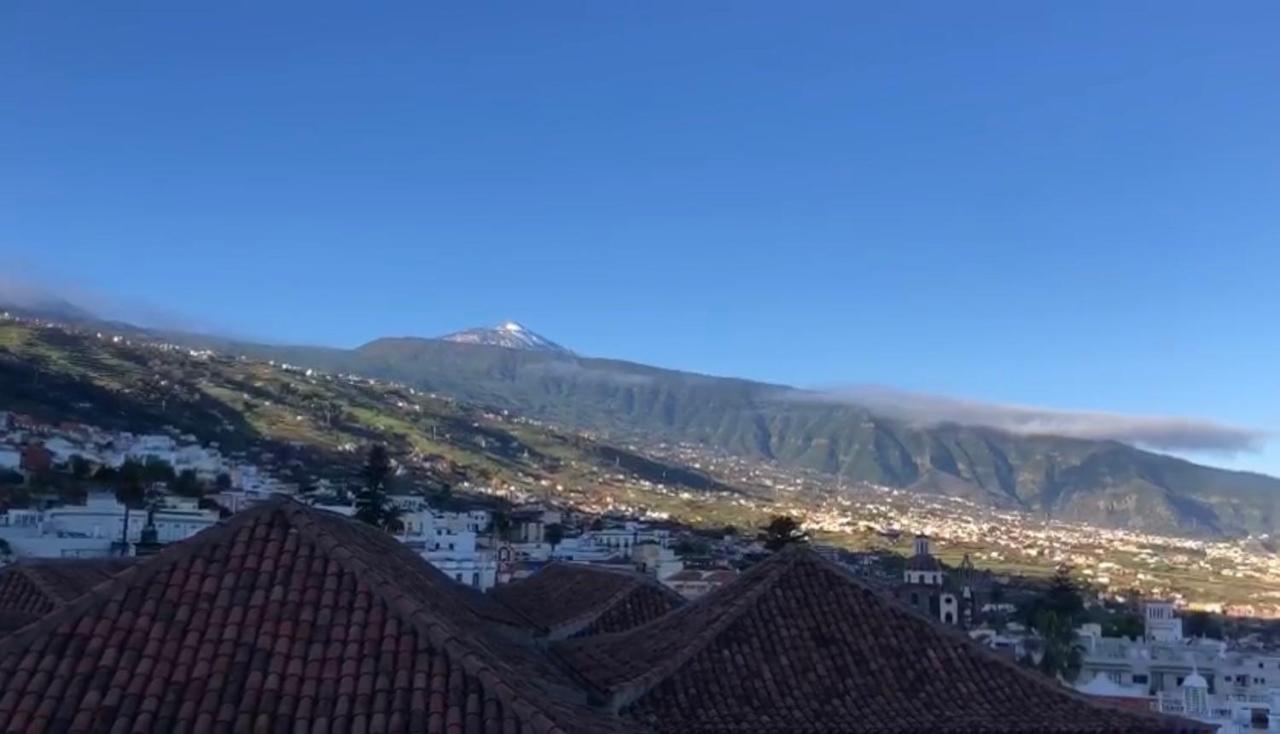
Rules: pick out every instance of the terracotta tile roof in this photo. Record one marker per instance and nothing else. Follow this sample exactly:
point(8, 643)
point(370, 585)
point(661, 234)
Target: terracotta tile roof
point(572, 599)
point(797, 644)
point(284, 618)
point(30, 589)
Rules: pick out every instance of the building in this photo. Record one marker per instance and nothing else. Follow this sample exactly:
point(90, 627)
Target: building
point(1201, 678)
point(798, 643)
point(289, 618)
point(10, 457)
point(285, 618)
point(927, 587)
point(95, 528)
point(450, 542)
point(692, 583)
point(576, 600)
point(1160, 622)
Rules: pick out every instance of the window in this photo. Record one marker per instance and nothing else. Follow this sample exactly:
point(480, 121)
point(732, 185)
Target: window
point(475, 579)
point(915, 599)
point(458, 577)
point(1180, 679)
point(1139, 678)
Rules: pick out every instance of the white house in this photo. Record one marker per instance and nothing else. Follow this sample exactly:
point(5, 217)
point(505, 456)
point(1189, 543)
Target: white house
point(93, 529)
point(10, 457)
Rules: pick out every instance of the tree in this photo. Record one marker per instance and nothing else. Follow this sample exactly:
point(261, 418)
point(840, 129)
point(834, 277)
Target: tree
point(1124, 624)
point(107, 474)
point(80, 467)
point(187, 484)
point(1061, 652)
point(130, 491)
point(222, 482)
point(158, 470)
point(729, 531)
point(1064, 597)
point(783, 530)
point(373, 507)
point(500, 525)
point(1202, 624)
point(553, 535)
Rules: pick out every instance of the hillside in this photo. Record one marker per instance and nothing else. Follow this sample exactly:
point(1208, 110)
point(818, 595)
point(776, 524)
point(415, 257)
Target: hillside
point(1098, 482)
point(306, 427)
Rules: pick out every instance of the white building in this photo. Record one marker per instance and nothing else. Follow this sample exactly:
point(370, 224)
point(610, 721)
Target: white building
point(93, 529)
point(1198, 678)
point(10, 457)
point(1162, 624)
point(450, 542)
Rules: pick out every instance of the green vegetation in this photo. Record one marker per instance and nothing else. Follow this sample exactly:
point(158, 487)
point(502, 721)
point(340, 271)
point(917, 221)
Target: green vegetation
point(1096, 482)
point(783, 531)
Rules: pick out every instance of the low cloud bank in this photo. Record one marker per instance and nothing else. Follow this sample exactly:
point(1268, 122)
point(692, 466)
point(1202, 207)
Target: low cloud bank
point(1156, 432)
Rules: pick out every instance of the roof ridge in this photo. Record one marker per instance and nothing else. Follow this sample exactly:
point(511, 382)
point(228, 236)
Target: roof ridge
point(31, 573)
point(638, 577)
point(961, 638)
point(439, 629)
point(632, 689)
point(140, 572)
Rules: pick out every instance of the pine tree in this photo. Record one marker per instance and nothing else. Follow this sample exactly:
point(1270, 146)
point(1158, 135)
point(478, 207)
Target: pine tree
point(372, 504)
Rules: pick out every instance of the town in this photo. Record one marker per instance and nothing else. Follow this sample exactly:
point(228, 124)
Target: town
point(64, 491)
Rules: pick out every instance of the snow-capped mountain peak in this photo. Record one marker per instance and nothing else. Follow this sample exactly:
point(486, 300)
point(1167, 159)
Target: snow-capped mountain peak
point(508, 334)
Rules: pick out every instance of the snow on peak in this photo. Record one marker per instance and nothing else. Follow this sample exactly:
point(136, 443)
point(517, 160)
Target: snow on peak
point(509, 334)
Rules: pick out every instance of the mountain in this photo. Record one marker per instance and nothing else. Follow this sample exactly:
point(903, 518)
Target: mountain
point(510, 335)
point(303, 426)
point(1099, 482)
point(1104, 483)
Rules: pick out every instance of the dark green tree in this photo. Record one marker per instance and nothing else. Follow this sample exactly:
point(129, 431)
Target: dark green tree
point(188, 484)
point(222, 482)
point(500, 525)
point(782, 531)
point(1202, 624)
point(158, 470)
point(553, 534)
point(373, 506)
point(131, 491)
point(1061, 652)
point(80, 467)
point(1124, 624)
point(1064, 597)
point(106, 474)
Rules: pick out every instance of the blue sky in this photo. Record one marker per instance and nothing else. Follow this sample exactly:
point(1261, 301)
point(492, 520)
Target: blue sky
point(1055, 204)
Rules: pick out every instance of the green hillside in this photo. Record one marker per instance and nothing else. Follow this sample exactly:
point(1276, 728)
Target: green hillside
point(1099, 482)
point(306, 427)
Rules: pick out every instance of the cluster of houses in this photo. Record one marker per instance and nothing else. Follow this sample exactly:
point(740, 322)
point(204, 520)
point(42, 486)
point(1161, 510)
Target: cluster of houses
point(463, 544)
point(1199, 678)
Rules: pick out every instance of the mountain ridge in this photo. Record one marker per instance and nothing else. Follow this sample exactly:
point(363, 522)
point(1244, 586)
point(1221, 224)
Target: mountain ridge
point(1100, 482)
